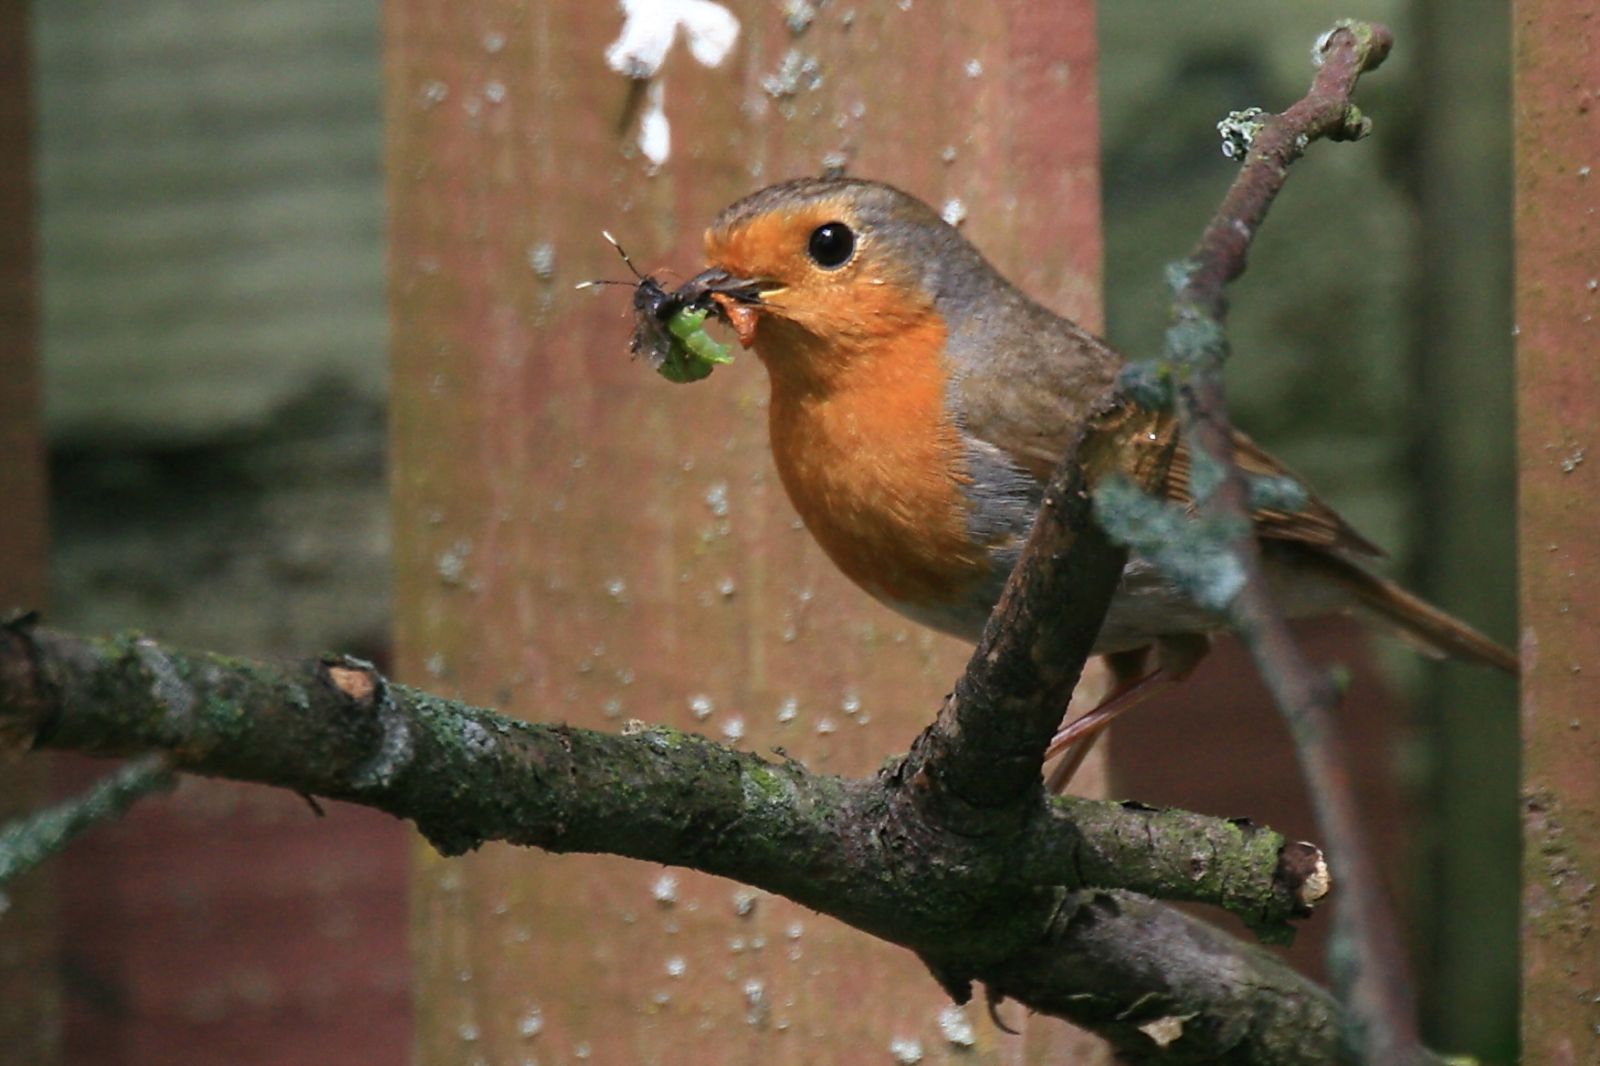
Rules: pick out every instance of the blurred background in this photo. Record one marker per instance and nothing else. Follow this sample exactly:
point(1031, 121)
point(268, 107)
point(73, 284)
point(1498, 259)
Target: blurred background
point(211, 248)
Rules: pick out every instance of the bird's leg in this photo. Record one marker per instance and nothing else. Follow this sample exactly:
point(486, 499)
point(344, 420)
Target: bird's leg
point(1077, 737)
point(1176, 658)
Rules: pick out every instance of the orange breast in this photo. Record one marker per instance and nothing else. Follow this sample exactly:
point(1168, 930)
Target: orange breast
point(871, 460)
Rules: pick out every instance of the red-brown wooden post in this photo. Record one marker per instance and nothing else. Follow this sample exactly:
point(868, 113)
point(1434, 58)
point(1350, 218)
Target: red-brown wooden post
point(576, 539)
point(30, 1003)
point(1558, 390)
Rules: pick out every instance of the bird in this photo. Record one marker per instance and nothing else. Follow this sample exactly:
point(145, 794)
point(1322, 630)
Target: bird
point(920, 402)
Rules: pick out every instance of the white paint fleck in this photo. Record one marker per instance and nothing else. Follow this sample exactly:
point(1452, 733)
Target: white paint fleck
point(906, 1051)
point(542, 258)
point(532, 1023)
point(733, 730)
point(676, 966)
point(757, 1008)
point(796, 73)
point(716, 498)
point(494, 92)
point(452, 562)
point(650, 26)
point(954, 211)
point(433, 93)
point(954, 1026)
point(665, 889)
point(655, 132)
point(701, 706)
point(798, 15)
point(788, 709)
point(974, 68)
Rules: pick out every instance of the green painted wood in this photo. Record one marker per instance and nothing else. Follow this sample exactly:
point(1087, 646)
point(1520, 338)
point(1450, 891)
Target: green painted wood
point(1465, 545)
point(211, 233)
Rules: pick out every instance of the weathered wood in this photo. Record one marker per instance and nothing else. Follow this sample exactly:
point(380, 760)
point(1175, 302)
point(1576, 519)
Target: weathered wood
point(571, 529)
point(1557, 86)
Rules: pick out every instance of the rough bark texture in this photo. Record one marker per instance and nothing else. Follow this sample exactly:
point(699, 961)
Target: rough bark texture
point(30, 1001)
point(1558, 412)
point(1042, 913)
point(572, 532)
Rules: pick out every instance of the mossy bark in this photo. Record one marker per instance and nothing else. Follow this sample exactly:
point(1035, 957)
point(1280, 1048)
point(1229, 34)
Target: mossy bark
point(1029, 909)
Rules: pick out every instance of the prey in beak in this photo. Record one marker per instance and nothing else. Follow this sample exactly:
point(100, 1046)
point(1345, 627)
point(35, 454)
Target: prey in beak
point(668, 327)
point(737, 301)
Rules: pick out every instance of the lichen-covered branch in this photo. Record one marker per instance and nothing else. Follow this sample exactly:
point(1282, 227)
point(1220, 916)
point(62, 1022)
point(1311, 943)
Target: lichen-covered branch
point(1008, 910)
point(1371, 969)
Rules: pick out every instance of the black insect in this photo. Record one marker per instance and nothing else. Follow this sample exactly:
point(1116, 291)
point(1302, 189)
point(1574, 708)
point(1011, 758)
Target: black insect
point(668, 326)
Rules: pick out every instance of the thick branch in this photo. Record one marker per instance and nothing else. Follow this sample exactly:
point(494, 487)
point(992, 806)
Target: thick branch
point(983, 755)
point(1379, 990)
point(1011, 913)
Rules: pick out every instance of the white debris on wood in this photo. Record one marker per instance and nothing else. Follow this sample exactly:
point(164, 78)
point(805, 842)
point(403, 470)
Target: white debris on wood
point(650, 26)
point(655, 132)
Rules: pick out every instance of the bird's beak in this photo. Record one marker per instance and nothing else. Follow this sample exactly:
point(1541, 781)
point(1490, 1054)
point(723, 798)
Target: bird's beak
point(738, 300)
point(718, 282)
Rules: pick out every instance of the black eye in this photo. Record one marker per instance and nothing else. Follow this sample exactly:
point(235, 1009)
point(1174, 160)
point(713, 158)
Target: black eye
point(831, 245)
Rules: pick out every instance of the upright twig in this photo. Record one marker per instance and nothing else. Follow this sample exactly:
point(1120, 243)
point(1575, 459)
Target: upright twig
point(1367, 959)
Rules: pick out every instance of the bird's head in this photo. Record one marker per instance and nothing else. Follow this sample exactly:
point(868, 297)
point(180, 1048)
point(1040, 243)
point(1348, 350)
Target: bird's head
point(816, 273)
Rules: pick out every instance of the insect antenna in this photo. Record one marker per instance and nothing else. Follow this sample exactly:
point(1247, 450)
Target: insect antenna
point(622, 252)
point(629, 262)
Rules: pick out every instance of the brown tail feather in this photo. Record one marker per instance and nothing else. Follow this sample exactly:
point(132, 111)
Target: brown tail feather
point(1416, 619)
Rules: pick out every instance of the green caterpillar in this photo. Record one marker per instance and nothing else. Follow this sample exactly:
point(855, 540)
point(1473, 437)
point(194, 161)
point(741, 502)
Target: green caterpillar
point(691, 354)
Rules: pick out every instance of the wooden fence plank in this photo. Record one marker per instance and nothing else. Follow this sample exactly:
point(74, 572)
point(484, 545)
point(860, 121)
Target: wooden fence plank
point(577, 539)
point(1558, 414)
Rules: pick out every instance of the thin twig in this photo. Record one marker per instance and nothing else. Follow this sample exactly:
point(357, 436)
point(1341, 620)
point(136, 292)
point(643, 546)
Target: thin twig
point(1367, 959)
point(28, 841)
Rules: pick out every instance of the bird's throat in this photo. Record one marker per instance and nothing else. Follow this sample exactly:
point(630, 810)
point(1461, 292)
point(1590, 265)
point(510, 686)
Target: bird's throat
point(870, 457)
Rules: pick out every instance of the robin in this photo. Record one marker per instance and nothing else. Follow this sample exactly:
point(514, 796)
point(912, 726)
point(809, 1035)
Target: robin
point(920, 402)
